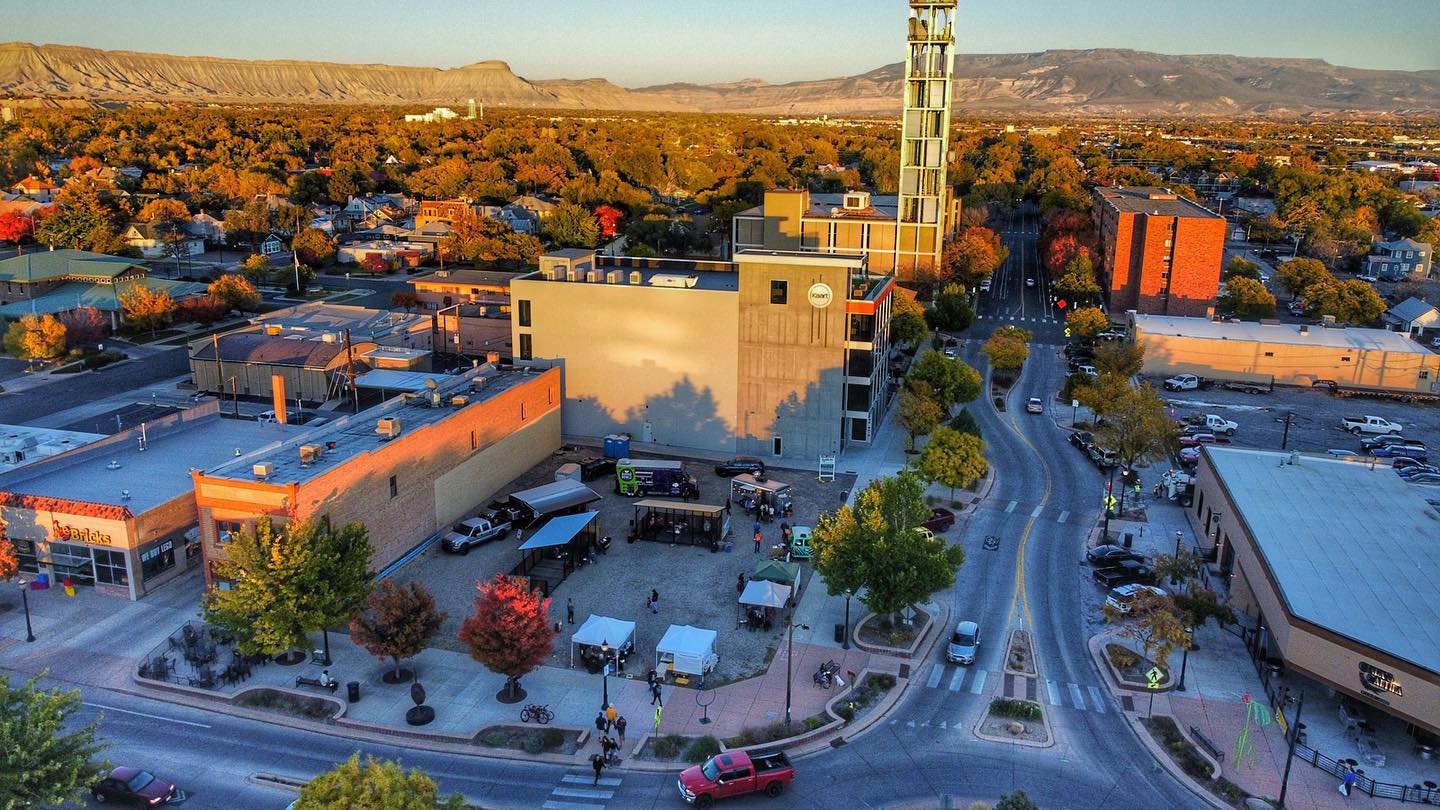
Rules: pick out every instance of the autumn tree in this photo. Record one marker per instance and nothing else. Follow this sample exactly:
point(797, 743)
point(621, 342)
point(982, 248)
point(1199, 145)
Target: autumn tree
point(1138, 428)
point(1086, 322)
point(1122, 359)
point(313, 246)
point(1154, 623)
point(1247, 299)
point(918, 412)
point(84, 326)
point(256, 268)
point(250, 223)
point(973, 255)
point(236, 291)
point(396, 622)
point(9, 563)
point(374, 785)
point(201, 309)
point(510, 631)
point(83, 219)
point(164, 210)
point(1298, 275)
point(147, 310)
point(873, 545)
point(15, 227)
point(1007, 348)
point(608, 218)
point(1077, 283)
point(49, 756)
point(488, 241)
point(952, 459)
point(404, 299)
point(952, 381)
point(570, 225)
point(376, 263)
point(1350, 301)
point(35, 337)
point(907, 320)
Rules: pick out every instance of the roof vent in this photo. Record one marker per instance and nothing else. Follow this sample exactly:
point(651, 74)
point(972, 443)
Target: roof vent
point(311, 453)
point(124, 494)
point(575, 274)
point(263, 470)
point(328, 337)
point(636, 277)
point(460, 400)
point(442, 273)
point(1304, 328)
point(388, 427)
point(1294, 457)
point(673, 280)
point(113, 465)
point(593, 276)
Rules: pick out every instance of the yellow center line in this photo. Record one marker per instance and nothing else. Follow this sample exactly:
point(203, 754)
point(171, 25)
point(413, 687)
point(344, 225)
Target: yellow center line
point(1021, 596)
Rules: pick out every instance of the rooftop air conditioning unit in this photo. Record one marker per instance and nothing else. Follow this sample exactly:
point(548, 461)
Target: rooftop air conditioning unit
point(593, 276)
point(388, 427)
point(673, 280)
point(551, 274)
point(636, 277)
point(614, 277)
point(263, 470)
point(328, 337)
point(460, 400)
point(272, 330)
point(310, 453)
point(442, 273)
point(575, 274)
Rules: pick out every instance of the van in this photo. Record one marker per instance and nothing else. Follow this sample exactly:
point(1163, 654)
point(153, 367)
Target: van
point(964, 643)
point(1123, 598)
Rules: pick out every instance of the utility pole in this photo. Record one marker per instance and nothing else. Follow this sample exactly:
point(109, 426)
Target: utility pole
point(350, 371)
point(1285, 439)
point(1290, 751)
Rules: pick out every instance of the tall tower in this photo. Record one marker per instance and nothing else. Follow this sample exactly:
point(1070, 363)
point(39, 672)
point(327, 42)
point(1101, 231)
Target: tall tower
point(925, 136)
point(471, 113)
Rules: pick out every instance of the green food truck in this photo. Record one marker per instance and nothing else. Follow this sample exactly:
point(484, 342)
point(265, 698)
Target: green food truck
point(635, 477)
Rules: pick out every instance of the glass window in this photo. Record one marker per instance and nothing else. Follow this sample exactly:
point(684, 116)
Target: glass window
point(158, 559)
point(227, 530)
point(524, 313)
point(74, 562)
point(110, 567)
point(776, 445)
point(779, 291)
point(394, 487)
point(25, 552)
point(526, 352)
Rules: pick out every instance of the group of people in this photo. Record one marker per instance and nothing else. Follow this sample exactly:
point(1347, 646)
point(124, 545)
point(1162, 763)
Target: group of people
point(609, 746)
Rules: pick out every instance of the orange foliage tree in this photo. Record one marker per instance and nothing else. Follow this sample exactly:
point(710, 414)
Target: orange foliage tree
point(510, 632)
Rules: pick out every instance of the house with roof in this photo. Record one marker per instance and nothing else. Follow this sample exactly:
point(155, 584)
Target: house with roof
point(271, 245)
point(207, 228)
point(1395, 260)
point(162, 240)
point(36, 189)
point(1413, 316)
point(312, 369)
point(539, 206)
point(55, 281)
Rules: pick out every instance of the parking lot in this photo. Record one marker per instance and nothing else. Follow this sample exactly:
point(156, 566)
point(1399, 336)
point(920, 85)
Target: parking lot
point(696, 587)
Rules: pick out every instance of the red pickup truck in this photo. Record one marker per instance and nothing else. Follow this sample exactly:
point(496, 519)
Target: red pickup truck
point(940, 519)
point(735, 773)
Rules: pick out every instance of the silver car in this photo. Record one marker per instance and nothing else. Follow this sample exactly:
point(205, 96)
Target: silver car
point(964, 643)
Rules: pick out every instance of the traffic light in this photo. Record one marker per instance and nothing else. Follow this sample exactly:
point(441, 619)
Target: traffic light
point(1060, 303)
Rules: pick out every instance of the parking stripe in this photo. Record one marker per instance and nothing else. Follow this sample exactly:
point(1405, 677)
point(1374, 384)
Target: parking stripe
point(935, 674)
point(1054, 692)
point(1097, 699)
point(554, 805)
point(1010, 507)
point(1077, 697)
point(1062, 517)
point(956, 679)
point(978, 685)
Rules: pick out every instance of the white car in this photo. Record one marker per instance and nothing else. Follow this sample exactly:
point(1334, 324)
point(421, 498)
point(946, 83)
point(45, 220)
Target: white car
point(950, 352)
point(1034, 405)
point(1123, 597)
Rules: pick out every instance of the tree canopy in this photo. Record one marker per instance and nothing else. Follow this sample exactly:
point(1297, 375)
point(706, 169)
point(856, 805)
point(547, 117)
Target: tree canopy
point(1247, 299)
point(952, 381)
point(396, 621)
point(47, 757)
point(35, 337)
point(374, 785)
point(1007, 348)
point(510, 631)
point(952, 459)
point(1087, 322)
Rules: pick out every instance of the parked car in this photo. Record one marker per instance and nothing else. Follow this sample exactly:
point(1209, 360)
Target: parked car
point(940, 519)
point(595, 467)
point(476, 531)
point(1190, 455)
point(740, 465)
point(1082, 439)
point(1086, 368)
point(1424, 478)
point(1369, 424)
point(964, 643)
point(985, 285)
point(1415, 450)
point(1034, 405)
point(1029, 281)
point(1124, 572)
point(1371, 442)
point(1103, 458)
point(136, 786)
point(1202, 438)
point(1110, 554)
point(735, 773)
point(1418, 469)
point(1123, 598)
point(1214, 424)
point(1112, 334)
point(950, 353)
point(1402, 462)
point(1182, 382)
point(1074, 350)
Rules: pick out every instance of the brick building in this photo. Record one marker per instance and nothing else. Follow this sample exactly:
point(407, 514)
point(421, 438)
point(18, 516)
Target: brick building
point(1160, 254)
point(405, 469)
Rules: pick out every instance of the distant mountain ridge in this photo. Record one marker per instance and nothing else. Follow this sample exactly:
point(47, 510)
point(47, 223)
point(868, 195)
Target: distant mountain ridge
point(1056, 82)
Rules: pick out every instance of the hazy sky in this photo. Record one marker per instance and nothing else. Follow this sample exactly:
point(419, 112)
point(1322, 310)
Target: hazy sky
point(639, 42)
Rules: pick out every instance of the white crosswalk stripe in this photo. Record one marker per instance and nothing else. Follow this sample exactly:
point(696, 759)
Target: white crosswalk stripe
point(1097, 699)
point(1054, 692)
point(977, 686)
point(1077, 697)
point(935, 674)
point(957, 679)
point(582, 792)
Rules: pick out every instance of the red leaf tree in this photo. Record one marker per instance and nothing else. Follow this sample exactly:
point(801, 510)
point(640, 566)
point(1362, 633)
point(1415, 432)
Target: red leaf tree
point(9, 565)
point(14, 227)
point(608, 217)
point(375, 263)
point(85, 326)
point(510, 632)
point(396, 622)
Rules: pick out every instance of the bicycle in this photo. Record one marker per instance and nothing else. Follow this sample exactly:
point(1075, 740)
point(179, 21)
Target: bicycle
point(538, 712)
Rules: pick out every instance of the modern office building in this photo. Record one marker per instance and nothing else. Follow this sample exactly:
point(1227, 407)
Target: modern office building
point(903, 234)
point(778, 353)
point(1160, 254)
point(1286, 353)
point(1334, 564)
point(406, 468)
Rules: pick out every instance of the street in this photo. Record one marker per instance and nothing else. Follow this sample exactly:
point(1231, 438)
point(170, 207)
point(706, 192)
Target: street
point(1020, 290)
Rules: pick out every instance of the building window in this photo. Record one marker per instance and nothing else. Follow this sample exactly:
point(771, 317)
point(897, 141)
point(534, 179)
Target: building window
point(526, 352)
point(859, 429)
point(1424, 375)
point(394, 487)
point(1269, 354)
point(779, 292)
point(159, 559)
point(110, 567)
point(775, 445)
point(524, 314)
point(227, 530)
point(1345, 359)
point(25, 553)
point(474, 440)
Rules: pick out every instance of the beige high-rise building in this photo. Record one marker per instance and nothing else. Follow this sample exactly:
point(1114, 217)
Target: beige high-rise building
point(902, 233)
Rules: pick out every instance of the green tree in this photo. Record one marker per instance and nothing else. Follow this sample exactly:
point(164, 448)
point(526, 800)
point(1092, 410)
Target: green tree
point(1298, 275)
point(1086, 322)
point(1123, 359)
point(374, 785)
point(1240, 268)
point(1247, 299)
point(952, 459)
point(1016, 801)
point(314, 246)
point(1007, 348)
point(1102, 394)
point(873, 544)
point(1350, 301)
point(918, 411)
point(953, 311)
point(47, 757)
point(907, 329)
point(1154, 623)
point(342, 579)
point(83, 219)
point(1076, 283)
point(488, 241)
point(965, 422)
point(256, 268)
point(953, 381)
point(570, 225)
point(35, 337)
point(250, 223)
point(236, 291)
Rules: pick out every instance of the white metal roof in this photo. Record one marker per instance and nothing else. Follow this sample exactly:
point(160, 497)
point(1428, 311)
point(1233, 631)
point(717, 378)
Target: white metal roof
point(1289, 333)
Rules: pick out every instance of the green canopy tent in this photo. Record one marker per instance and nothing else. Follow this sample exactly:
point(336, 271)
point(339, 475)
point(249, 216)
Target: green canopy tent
point(784, 573)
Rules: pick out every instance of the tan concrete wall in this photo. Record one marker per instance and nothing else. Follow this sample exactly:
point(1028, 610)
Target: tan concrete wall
point(783, 212)
point(650, 361)
point(478, 478)
point(1288, 364)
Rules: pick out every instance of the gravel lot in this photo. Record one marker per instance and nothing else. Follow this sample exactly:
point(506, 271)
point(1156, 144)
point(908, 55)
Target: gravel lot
point(696, 587)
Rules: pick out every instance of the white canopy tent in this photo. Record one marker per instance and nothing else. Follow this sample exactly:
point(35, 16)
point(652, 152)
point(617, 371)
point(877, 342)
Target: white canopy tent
point(686, 649)
point(598, 630)
point(763, 593)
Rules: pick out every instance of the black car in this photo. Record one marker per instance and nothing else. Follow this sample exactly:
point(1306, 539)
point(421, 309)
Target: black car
point(1124, 572)
point(1082, 439)
point(1375, 442)
point(137, 787)
point(1109, 555)
point(740, 465)
point(593, 467)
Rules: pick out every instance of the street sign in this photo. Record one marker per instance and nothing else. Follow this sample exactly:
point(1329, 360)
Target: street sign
point(1060, 303)
point(607, 670)
point(1067, 331)
point(1154, 676)
point(1110, 502)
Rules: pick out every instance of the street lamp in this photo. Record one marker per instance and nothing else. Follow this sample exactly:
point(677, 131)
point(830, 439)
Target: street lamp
point(1185, 657)
point(25, 600)
point(789, 664)
point(845, 642)
point(605, 675)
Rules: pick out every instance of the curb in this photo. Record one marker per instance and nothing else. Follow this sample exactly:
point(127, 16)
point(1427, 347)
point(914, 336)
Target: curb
point(893, 652)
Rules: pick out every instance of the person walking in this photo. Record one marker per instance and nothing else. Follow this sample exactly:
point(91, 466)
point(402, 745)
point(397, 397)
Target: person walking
point(610, 716)
point(740, 583)
point(727, 504)
point(620, 727)
point(654, 601)
point(569, 610)
point(758, 537)
point(600, 722)
point(1347, 780)
point(654, 693)
point(658, 709)
point(598, 763)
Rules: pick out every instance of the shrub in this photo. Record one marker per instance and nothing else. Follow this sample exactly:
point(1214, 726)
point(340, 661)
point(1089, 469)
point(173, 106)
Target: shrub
point(668, 747)
point(846, 711)
point(495, 739)
point(702, 748)
point(553, 737)
point(1122, 658)
point(883, 680)
point(963, 422)
point(813, 722)
point(1018, 709)
point(534, 743)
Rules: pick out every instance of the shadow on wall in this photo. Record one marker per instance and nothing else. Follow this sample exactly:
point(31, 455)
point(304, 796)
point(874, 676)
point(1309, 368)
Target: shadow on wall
point(807, 426)
point(685, 416)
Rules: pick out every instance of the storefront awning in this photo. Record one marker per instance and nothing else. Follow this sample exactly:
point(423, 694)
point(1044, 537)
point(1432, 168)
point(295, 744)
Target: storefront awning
point(559, 531)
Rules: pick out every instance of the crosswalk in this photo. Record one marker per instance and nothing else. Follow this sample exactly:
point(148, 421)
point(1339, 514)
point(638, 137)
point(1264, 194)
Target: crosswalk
point(1039, 512)
point(1018, 318)
point(580, 791)
point(970, 680)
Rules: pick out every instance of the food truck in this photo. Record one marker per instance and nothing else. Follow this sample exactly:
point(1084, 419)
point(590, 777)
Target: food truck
point(635, 477)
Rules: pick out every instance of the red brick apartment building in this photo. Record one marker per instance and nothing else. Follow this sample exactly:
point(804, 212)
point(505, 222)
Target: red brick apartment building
point(1160, 253)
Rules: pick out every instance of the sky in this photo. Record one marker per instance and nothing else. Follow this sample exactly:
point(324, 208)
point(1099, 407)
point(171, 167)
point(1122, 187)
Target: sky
point(642, 42)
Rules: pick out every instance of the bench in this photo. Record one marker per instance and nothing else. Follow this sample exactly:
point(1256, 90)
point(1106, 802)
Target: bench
point(301, 680)
point(1209, 746)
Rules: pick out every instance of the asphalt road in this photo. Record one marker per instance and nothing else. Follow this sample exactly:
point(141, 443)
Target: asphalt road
point(1012, 299)
point(24, 406)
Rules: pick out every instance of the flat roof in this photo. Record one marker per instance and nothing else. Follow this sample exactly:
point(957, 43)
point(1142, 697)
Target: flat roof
point(354, 434)
point(853, 261)
point(319, 317)
point(882, 206)
point(711, 280)
point(22, 444)
point(1353, 548)
point(1249, 331)
point(1153, 201)
point(467, 275)
point(152, 476)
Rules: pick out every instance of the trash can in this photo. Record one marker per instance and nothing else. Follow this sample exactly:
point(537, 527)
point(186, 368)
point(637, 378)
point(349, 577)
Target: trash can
point(1129, 541)
point(839, 634)
point(352, 691)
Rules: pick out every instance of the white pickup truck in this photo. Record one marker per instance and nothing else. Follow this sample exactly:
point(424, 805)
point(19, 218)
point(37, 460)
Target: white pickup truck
point(1183, 382)
point(1370, 424)
point(1215, 424)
